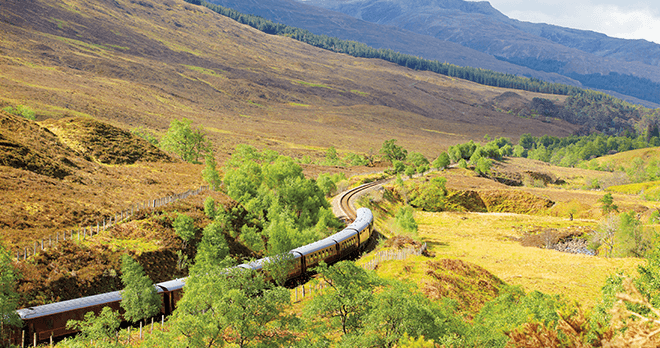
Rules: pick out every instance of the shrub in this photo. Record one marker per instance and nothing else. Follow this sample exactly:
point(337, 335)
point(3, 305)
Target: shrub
point(21, 110)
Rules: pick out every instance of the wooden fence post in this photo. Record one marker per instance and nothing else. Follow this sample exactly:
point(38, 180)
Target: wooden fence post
point(162, 322)
point(140, 329)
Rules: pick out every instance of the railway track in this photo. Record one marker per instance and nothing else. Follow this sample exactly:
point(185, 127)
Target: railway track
point(348, 196)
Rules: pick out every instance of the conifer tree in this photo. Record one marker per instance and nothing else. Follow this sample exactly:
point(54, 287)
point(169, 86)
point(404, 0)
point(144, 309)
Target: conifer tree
point(8, 295)
point(139, 297)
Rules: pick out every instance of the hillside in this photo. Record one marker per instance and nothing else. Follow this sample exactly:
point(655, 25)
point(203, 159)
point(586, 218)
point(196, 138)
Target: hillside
point(593, 59)
point(49, 186)
point(119, 63)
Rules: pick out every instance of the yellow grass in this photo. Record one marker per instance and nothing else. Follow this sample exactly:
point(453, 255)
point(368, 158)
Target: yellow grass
point(488, 241)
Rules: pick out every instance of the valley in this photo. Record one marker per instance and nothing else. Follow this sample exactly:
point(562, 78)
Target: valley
point(92, 93)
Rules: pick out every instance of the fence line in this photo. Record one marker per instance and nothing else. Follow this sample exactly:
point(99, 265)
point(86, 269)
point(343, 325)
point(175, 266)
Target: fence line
point(88, 231)
point(306, 290)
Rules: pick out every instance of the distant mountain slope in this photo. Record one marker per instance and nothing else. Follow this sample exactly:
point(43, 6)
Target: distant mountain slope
point(577, 54)
point(335, 24)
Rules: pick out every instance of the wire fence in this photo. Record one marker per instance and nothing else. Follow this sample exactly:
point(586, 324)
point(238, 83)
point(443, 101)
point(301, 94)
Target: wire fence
point(89, 231)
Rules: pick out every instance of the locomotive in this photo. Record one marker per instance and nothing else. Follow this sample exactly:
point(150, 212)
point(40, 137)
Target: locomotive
point(41, 323)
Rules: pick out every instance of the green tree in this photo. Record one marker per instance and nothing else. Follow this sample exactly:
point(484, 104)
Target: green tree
point(210, 173)
point(279, 266)
point(139, 298)
point(410, 171)
point(391, 151)
point(101, 329)
point(608, 205)
point(483, 165)
point(209, 207)
point(213, 248)
point(462, 163)
point(184, 227)
point(398, 166)
point(326, 184)
point(331, 157)
point(399, 311)
point(235, 305)
point(405, 219)
point(348, 297)
point(442, 161)
point(183, 140)
point(431, 196)
point(8, 295)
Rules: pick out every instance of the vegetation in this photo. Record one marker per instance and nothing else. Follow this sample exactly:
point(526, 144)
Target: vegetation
point(190, 144)
point(139, 297)
point(21, 110)
point(287, 209)
point(101, 329)
point(8, 295)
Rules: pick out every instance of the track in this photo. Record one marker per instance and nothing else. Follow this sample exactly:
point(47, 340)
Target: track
point(348, 196)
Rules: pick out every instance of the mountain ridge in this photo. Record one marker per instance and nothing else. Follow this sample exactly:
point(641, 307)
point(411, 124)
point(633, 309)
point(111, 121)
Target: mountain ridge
point(481, 27)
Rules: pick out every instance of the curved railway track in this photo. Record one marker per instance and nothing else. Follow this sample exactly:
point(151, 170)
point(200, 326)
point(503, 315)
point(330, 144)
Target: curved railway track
point(348, 196)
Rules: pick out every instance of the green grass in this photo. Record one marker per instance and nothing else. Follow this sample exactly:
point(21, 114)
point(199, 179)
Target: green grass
point(202, 70)
point(298, 104)
point(311, 84)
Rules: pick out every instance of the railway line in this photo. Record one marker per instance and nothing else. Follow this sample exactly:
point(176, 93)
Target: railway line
point(45, 322)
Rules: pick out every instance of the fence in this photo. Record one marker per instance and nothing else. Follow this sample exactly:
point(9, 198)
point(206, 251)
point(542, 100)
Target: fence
point(89, 231)
point(306, 290)
point(388, 255)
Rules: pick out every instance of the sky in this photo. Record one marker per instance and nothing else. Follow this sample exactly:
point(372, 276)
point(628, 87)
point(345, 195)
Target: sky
point(627, 19)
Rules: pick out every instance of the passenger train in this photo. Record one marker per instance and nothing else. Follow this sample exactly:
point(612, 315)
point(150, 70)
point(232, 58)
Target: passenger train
point(43, 322)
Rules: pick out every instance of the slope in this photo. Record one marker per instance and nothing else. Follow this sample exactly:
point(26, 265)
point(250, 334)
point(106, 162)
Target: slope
point(145, 63)
point(477, 25)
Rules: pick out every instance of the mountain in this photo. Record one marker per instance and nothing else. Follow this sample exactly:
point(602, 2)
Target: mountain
point(628, 67)
point(335, 24)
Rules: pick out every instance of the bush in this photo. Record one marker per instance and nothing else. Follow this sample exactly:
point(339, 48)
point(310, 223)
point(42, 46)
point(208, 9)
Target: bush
point(21, 110)
point(405, 219)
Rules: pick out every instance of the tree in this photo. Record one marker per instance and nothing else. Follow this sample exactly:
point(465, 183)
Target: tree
point(183, 140)
point(604, 235)
point(279, 266)
point(348, 297)
point(210, 173)
point(482, 166)
point(442, 161)
point(400, 311)
point(234, 305)
point(209, 208)
point(8, 295)
point(392, 152)
point(213, 248)
point(101, 329)
point(431, 196)
point(410, 171)
point(184, 227)
point(405, 219)
point(140, 299)
point(608, 204)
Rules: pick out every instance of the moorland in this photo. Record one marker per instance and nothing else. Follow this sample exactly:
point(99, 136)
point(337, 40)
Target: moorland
point(91, 94)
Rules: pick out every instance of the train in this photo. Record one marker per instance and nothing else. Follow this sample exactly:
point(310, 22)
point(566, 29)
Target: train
point(42, 323)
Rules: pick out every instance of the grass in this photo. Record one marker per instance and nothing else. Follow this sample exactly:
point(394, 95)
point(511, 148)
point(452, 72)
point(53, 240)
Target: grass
point(489, 240)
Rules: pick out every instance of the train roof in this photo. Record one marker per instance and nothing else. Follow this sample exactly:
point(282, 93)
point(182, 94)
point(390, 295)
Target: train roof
point(64, 306)
point(343, 235)
point(316, 246)
point(363, 219)
point(171, 285)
